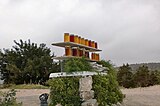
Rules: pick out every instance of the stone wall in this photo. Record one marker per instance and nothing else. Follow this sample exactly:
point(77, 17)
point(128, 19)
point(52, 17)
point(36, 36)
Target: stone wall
point(86, 92)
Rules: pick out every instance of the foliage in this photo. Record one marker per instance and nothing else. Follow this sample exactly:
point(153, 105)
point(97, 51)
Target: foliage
point(125, 76)
point(9, 99)
point(106, 88)
point(77, 64)
point(64, 91)
point(142, 77)
point(151, 66)
point(24, 86)
point(154, 78)
point(27, 62)
point(2, 64)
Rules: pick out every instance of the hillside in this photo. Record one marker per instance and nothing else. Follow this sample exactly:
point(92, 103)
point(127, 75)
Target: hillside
point(151, 66)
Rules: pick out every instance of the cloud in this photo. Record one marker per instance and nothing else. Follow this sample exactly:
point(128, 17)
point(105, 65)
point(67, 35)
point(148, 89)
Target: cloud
point(126, 30)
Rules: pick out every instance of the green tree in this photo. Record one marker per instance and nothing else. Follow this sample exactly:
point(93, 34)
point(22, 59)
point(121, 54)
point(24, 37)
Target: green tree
point(154, 78)
point(28, 63)
point(141, 77)
point(125, 76)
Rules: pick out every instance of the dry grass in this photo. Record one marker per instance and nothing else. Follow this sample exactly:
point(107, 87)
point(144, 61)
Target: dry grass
point(147, 96)
point(24, 86)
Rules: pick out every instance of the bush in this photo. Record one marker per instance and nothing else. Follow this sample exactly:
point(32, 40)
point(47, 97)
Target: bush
point(77, 64)
point(9, 99)
point(64, 91)
point(106, 87)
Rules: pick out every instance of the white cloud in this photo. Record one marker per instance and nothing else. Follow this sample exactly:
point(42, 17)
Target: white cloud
point(127, 30)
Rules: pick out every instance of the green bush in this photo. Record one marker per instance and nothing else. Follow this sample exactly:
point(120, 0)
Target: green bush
point(77, 64)
point(106, 91)
point(106, 87)
point(9, 99)
point(64, 91)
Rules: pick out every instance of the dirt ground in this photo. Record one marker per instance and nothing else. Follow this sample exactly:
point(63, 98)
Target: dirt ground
point(29, 97)
point(149, 96)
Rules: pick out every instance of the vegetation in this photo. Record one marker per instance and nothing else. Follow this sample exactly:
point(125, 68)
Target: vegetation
point(23, 86)
point(66, 90)
point(125, 76)
point(142, 77)
point(29, 63)
point(151, 66)
point(26, 63)
point(9, 99)
point(77, 64)
point(106, 87)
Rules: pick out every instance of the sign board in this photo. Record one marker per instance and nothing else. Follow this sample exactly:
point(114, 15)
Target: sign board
point(83, 73)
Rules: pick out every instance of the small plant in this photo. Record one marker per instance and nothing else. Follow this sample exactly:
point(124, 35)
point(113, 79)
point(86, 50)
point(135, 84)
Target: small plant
point(9, 99)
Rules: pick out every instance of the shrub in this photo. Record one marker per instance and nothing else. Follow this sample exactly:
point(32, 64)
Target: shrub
point(64, 91)
point(106, 87)
point(77, 64)
point(9, 99)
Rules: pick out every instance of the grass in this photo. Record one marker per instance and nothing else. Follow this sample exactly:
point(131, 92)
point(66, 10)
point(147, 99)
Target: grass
point(24, 86)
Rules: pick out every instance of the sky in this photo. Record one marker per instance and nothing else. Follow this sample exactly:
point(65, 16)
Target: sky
point(127, 31)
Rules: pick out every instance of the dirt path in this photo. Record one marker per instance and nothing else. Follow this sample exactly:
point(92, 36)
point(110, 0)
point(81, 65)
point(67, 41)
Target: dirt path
point(149, 96)
point(29, 97)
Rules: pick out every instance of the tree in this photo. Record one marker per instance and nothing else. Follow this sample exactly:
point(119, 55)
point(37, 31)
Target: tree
point(125, 76)
point(141, 77)
point(28, 63)
point(154, 78)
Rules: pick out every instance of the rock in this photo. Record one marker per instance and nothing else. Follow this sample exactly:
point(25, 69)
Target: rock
point(91, 102)
point(85, 84)
point(58, 105)
point(98, 67)
point(86, 95)
point(118, 104)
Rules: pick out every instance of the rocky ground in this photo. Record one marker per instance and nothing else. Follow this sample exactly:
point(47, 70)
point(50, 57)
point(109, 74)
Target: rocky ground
point(149, 96)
